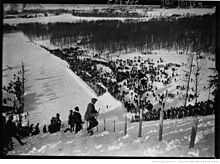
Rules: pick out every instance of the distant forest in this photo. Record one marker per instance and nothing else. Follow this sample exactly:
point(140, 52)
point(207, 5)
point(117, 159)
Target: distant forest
point(194, 33)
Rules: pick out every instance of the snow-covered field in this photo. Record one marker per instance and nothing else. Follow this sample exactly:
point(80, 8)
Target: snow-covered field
point(175, 143)
point(155, 13)
point(50, 86)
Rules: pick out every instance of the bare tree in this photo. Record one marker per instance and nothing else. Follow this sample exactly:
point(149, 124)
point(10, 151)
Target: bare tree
point(164, 99)
point(197, 72)
point(22, 65)
point(188, 80)
point(140, 91)
point(195, 119)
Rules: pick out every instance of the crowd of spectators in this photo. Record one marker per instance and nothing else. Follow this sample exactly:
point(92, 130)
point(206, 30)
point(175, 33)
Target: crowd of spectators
point(199, 109)
point(55, 124)
point(127, 78)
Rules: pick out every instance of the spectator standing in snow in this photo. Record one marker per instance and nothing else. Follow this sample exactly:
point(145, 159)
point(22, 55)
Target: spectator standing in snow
point(77, 120)
point(90, 116)
point(45, 129)
point(51, 127)
point(12, 130)
point(36, 129)
point(58, 122)
point(3, 135)
point(71, 121)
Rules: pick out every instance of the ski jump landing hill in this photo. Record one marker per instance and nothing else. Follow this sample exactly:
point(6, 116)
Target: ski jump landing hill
point(50, 86)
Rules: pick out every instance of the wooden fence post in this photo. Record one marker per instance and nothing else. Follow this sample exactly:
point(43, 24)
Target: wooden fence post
point(125, 128)
point(114, 125)
point(140, 123)
point(22, 65)
point(104, 124)
point(161, 126)
point(161, 116)
point(193, 132)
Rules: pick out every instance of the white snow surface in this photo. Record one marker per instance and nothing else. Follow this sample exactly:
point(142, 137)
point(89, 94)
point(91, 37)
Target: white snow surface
point(107, 103)
point(50, 86)
point(110, 143)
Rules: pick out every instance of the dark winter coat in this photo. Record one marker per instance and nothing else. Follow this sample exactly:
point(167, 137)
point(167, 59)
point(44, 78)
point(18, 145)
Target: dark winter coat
point(11, 128)
point(71, 119)
point(90, 112)
point(77, 117)
point(57, 124)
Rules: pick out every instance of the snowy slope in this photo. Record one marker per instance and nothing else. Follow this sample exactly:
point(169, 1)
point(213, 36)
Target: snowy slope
point(50, 86)
point(175, 142)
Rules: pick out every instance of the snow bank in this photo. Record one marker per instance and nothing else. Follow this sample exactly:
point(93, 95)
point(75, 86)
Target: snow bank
point(107, 103)
point(98, 146)
point(102, 134)
point(115, 147)
point(194, 153)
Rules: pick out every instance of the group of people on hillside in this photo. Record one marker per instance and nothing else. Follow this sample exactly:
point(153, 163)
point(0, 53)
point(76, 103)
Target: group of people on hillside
point(75, 122)
point(75, 119)
point(9, 129)
point(199, 109)
point(55, 124)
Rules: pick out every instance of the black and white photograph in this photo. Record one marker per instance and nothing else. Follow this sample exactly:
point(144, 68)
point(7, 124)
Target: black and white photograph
point(121, 78)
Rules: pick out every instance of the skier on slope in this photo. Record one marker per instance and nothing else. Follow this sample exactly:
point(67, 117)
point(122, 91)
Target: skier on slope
point(91, 115)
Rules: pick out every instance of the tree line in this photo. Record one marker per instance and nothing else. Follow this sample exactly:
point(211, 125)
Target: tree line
point(192, 33)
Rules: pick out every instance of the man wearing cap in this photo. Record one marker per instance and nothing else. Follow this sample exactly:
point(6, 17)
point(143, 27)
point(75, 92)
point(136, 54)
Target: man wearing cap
point(90, 116)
